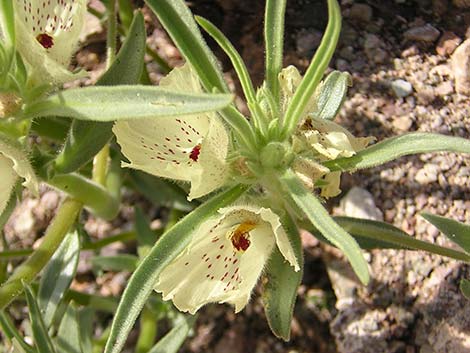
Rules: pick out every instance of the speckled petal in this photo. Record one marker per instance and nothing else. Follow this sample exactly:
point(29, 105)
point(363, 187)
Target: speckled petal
point(190, 148)
point(47, 35)
point(217, 266)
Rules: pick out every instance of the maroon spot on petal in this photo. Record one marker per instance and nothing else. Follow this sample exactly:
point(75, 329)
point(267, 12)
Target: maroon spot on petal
point(210, 265)
point(186, 264)
point(218, 257)
point(45, 40)
point(194, 155)
point(221, 247)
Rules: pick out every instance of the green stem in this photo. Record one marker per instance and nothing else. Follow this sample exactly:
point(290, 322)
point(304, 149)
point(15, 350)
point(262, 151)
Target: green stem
point(96, 245)
point(148, 331)
point(28, 270)
point(111, 33)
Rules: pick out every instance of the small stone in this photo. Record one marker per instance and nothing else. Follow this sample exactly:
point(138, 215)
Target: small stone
point(447, 44)
point(361, 13)
point(428, 174)
point(444, 89)
point(360, 203)
point(426, 33)
point(463, 4)
point(460, 62)
point(426, 95)
point(402, 123)
point(402, 88)
point(307, 42)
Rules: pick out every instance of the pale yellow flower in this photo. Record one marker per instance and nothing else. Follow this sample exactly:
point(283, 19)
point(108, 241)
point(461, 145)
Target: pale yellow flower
point(225, 258)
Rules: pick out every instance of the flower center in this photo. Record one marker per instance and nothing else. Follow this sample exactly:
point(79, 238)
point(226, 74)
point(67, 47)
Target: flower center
point(240, 237)
point(194, 155)
point(45, 40)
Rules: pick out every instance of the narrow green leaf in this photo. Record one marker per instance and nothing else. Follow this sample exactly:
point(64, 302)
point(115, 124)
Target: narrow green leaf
point(384, 235)
point(235, 58)
point(148, 331)
point(41, 337)
point(315, 70)
point(457, 232)
point(97, 302)
point(274, 42)
point(395, 147)
point(465, 288)
point(332, 95)
point(164, 251)
point(175, 16)
point(51, 127)
point(320, 219)
point(121, 262)
point(10, 332)
point(87, 138)
point(58, 275)
point(7, 23)
point(173, 340)
point(111, 103)
point(93, 195)
point(68, 337)
point(282, 282)
point(126, 12)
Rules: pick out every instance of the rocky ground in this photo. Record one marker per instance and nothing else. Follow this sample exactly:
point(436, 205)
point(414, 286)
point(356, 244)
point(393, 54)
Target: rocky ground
point(410, 63)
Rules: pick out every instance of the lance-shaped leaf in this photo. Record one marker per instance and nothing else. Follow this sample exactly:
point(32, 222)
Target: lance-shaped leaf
point(172, 341)
point(332, 93)
point(282, 282)
point(11, 332)
point(164, 251)
point(395, 147)
point(86, 138)
point(41, 337)
point(315, 70)
point(68, 338)
point(58, 275)
point(319, 217)
point(175, 16)
point(103, 103)
point(457, 232)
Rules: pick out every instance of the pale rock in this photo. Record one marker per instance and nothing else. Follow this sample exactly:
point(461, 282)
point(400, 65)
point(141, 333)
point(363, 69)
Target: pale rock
point(402, 88)
point(444, 89)
point(447, 44)
point(359, 203)
point(428, 174)
point(402, 123)
point(461, 68)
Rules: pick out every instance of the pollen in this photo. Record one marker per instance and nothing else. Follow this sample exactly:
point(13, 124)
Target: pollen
point(45, 40)
point(240, 236)
point(194, 155)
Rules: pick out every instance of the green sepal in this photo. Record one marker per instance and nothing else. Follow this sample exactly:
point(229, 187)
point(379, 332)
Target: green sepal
point(58, 275)
point(142, 282)
point(457, 232)
point(281, 284)
point(87, 138)
point(332, 95)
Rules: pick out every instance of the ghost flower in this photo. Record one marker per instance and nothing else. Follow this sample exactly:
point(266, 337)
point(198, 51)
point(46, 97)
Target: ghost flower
point(190, 148)
point(47, 33)
point(224, 259)
point(14, 164)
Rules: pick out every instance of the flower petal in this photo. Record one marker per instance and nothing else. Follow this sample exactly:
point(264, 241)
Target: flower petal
point(224, 259)
point(190, 148)
point(47, 35)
